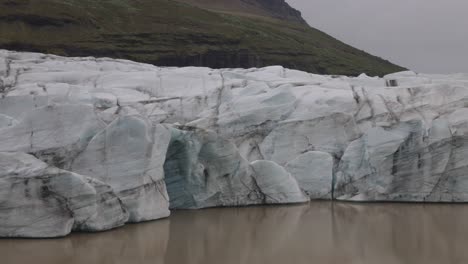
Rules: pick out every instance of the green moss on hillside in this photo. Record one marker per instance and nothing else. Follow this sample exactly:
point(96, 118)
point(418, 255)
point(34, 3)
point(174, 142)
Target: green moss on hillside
point(168, 33)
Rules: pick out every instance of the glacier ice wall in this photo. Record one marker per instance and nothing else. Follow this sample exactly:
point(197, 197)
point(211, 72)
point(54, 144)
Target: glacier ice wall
point(89, 144)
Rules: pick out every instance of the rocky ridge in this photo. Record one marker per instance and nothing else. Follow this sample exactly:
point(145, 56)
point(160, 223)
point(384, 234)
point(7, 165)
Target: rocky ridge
point(89, 144)
point(279, 9)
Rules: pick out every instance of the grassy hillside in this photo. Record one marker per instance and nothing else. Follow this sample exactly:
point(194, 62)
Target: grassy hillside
point(170, 33)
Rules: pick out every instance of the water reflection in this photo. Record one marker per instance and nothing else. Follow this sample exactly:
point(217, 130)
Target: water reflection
point(143, 243)
point(315, 233)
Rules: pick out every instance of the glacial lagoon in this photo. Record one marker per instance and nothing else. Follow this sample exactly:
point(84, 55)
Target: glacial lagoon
point(319, 232)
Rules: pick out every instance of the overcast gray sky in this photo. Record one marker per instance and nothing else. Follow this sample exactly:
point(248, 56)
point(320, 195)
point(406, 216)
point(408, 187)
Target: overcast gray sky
point(428, 36)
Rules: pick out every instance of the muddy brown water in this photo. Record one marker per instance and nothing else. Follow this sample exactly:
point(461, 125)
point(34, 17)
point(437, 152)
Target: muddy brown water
point(320, 232)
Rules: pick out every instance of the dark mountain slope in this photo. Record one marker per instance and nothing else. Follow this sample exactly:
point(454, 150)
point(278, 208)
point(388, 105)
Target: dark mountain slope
point(170, 33)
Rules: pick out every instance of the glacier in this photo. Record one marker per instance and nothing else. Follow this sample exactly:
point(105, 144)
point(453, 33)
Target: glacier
point(90, 144)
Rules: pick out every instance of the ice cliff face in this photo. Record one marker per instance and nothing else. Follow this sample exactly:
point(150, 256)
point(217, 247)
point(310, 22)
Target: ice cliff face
point(90, 144)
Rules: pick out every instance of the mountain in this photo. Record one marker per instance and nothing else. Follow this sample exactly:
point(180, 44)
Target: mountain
point(217, 34)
